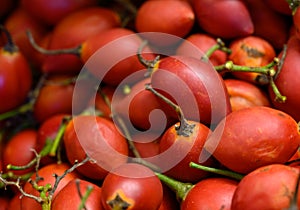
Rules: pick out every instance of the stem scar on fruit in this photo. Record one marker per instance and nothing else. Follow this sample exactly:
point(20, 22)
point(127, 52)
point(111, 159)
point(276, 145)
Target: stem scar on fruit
point(184, 128)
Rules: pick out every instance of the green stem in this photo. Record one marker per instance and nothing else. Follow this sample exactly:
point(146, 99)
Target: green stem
point(220, 45)
point(227, 173)
point(278, 96)
point(85, 197)
point(44, 152)
point(20, 110)
point(267, 70)
point(59, 136)
point(181, 189)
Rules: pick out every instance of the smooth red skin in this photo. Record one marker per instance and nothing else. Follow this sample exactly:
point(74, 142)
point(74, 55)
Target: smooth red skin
point(269, 24)
point(17, 23)
point(280, 6)
point(54, 99)
point(4, 201)
point(18, 150)
point(178, 19)
point(133, 108)
point(244, 94)
point(147, 149)
point(93, 129)
point(72, 31)
point(254, 137)
point(203, 42)
point(147, 144)
point(191, 147)
point(15, 202)
point(296, 23)
point(114, 71)
point(190, 76)
point(16, 80)
point(136, 184)
point(47, 173)
point(210, 193)
point(218, 17)
point(240, 55)
point(52, 12)
point(48, 131)
point(268, 187)
point(169, 201)
point(68, 198)
point(287, 80)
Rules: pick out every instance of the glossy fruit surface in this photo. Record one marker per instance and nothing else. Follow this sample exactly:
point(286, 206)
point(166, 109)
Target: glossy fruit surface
point(131, 186)
point(69, 196)
point(255, 192)
point(19, 150)
point(243, 147)
point(287, 80)
point(100, 139)
point(218, 17)
point(210, 193)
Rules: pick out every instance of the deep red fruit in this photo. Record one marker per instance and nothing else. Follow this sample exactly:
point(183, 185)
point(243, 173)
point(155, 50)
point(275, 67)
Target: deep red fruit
point(15, 75)
point(179, 147)
point(268, 187)
point(210, 193)
point(100, 139)
point(46, 173)
point(70, 198)
point(219, 18)
point(131, 186)
point(51, 12)
point(269, 24)
point(287, 80)
point(202, 43)
point(199, 91)
point(19, 150)
point(74, 29)
point(178, 19)
point(253, 137)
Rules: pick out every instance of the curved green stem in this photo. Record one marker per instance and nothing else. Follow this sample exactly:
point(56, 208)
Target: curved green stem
point(20, 110)
point(181, 189)
point(220, 45)
point(59, 136)
point(227, 173)
point(278, 96)
point(267, 70)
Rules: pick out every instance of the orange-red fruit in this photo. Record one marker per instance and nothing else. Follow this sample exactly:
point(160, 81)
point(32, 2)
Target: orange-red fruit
point(288, 81)
point(269, 187)
point(244, 94)
point(253, 137)
point(165, 16)
point(72, 31)
point(177, 150)
point(70, 197)
point(100, 139)
point(132, 186)
point(251, 51)
point(19, 150)
point(210, 193)
point(223, 18)
point(197, 44)
point(46, 172)
point(51, 12)
point(15, 77)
